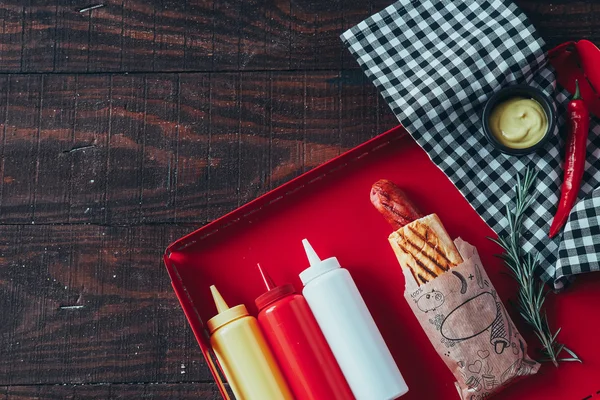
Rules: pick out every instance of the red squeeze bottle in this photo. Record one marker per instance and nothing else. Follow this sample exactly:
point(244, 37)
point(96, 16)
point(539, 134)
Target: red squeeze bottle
point(298, 344)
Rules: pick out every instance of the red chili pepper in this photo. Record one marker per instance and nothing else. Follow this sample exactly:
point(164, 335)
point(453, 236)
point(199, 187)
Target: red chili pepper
point(577, 135)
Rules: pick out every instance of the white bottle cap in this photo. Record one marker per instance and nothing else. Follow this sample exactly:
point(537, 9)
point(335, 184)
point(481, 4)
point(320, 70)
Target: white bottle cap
point(317, 266)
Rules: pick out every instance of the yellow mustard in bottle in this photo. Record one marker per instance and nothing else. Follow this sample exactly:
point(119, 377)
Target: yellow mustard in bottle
point(243, 353)
point(518, 122)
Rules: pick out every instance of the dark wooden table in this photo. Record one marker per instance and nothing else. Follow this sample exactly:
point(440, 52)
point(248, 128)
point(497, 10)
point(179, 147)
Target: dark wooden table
point(129, 125)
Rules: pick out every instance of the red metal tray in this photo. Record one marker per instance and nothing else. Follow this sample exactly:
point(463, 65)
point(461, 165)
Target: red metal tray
point(330, 206)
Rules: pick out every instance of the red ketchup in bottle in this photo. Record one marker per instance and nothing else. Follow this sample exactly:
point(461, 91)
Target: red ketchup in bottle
point(298, 344)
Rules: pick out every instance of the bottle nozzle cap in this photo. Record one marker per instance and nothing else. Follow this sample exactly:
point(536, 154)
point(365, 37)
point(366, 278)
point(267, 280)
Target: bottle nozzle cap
point(266, 278)
point(313, 258)
point(225, 314)
point(219, 301)
point(317, 266)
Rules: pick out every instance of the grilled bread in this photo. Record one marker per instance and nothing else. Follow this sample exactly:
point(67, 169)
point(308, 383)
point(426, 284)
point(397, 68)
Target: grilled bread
point(425, 247)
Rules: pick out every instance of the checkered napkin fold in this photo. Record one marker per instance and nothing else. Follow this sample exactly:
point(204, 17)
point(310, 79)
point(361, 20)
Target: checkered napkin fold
point(436, 62)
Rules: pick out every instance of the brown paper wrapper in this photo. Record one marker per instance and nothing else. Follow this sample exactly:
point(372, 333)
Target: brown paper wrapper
point(469, 327)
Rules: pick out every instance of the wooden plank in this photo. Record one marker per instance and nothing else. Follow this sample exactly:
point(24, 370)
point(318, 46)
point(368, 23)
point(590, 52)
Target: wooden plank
point(130, 149)
point(11, 38)
point(52, 192)
point(138, 36)
point(90, 142)
point(4, 103)
point(72, 37)
point(559, 22)
point(324, 134)
point(159, 181)
point(108, 391)
point(309, 47)
point(106, 31)
point(225, 40)
point(21, 147)
point(127, 146)
point(357, 121)
point(39, 36)
point(207, 35)
point(223, 175)
point(170, 21)
point(199, 22)
point(264, 35)
point(290, 113)
point(194, 147)
point(85, 304)
point(256, 126)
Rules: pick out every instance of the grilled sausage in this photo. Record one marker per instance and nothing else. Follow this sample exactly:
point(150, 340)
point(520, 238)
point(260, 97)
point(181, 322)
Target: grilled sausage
point(393, 204)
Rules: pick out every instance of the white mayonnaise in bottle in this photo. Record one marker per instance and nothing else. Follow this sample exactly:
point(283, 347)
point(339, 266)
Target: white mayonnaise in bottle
point(350, 330)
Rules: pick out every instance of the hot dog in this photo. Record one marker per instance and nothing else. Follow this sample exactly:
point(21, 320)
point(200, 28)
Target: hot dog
point(420, 242)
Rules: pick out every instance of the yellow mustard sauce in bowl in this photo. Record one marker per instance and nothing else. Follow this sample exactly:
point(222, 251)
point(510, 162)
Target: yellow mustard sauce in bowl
point(518, 122)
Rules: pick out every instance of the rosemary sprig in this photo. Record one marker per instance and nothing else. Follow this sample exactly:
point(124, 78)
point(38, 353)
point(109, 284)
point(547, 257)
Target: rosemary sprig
point(522, 267)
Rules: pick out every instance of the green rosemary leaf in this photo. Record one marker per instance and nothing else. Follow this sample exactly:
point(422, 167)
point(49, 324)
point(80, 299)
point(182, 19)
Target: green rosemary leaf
point(532, 294)
point(559, 348)
point(556, 334)
point(573, 355)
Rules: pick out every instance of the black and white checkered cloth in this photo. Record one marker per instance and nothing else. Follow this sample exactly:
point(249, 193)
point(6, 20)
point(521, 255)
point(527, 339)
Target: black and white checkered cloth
point(436, 62)
point(581, 240)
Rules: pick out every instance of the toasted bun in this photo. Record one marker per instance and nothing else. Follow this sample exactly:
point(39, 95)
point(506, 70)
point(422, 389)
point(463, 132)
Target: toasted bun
point(425, 247)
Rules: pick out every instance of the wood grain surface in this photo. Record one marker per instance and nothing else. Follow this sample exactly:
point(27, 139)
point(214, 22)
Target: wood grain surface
point(215, 35)
point(128, 126)
point(157, 391)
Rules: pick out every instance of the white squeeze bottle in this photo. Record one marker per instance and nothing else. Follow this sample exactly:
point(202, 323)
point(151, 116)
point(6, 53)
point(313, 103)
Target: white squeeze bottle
point(350, 330)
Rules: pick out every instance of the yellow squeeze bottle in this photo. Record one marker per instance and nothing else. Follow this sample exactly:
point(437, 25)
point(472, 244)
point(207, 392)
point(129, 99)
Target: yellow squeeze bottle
point(246, 360)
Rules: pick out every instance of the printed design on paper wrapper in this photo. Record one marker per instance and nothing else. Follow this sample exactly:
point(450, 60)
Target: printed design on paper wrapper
point(473, 330)
point(463, 282)
point(430, 301)
point(499, 327)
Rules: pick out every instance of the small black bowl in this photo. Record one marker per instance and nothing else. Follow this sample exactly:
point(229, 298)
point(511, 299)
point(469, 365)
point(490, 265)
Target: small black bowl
point(528, 92)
